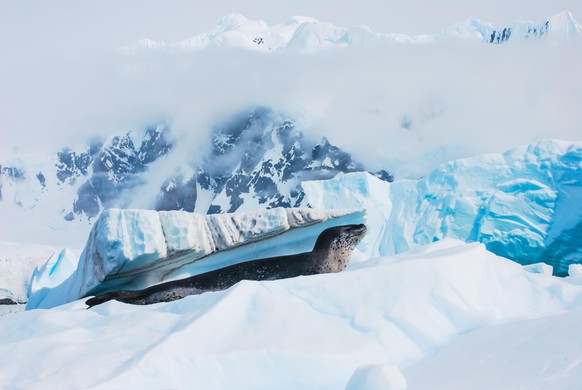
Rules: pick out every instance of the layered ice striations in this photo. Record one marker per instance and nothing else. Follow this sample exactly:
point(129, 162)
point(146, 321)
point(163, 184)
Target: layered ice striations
point(525, 204)
point(132, 249)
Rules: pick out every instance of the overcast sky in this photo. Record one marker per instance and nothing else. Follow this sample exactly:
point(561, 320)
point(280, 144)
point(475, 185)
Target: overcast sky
point(72, 24)
point(60, 81)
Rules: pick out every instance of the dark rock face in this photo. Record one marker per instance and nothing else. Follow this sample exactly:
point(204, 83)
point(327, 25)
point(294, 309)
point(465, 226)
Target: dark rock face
point(10, 173)
point(117, 167)
point(533, 31)
point(500, 36)
point(258, 156)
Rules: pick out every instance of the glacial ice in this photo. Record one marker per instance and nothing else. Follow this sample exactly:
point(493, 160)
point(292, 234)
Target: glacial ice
point(525, 204)
point(133, 249)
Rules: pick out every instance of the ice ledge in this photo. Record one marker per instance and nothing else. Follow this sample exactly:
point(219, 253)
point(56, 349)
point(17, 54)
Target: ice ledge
point(131, 249)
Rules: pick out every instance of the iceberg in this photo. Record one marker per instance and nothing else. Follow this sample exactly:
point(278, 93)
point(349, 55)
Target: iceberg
point(133, 249)
point(524, 204)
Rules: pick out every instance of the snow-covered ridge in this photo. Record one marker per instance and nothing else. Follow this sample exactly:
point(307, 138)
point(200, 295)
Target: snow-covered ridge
point(305, 33)
point(524, 204)
point(132, 249)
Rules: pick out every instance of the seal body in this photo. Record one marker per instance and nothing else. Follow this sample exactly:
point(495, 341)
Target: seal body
point(330, 254)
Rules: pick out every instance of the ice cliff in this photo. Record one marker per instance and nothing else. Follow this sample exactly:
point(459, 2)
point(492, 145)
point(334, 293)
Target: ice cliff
point(525, 204)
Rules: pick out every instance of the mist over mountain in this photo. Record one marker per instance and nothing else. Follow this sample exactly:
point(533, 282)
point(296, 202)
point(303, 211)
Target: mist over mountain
point(257, 159)
point(171, 129)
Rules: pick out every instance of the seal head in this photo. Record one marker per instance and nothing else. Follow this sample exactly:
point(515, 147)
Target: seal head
point(335, 245)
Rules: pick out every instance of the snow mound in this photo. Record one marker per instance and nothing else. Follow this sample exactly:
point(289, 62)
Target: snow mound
point(133, 249)
point(306, 332)
point(304, 33)
point(377, 377)
point(539, 268)
point(523, 204)
point(575, 270)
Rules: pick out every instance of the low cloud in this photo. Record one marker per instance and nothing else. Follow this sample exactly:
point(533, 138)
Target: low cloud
point(404, 108)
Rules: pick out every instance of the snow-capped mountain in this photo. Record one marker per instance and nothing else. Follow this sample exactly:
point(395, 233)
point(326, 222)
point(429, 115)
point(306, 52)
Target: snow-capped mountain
point(257, 160)
point(305, 33)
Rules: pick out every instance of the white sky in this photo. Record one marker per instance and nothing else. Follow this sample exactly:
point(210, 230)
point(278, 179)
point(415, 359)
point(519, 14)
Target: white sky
point(73, 24)
point(60, 83)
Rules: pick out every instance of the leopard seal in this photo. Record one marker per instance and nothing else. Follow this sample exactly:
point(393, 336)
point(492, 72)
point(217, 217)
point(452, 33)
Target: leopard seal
point(330, 254)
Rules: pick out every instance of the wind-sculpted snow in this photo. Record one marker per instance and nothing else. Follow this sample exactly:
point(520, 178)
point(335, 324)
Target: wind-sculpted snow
point(301, 333)
point(132, 249)
point(525, 204)
point(304, 33)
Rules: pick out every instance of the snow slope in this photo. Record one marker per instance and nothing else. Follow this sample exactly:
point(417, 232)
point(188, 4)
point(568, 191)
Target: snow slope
point(305, 33)
point(546, 356)
point(307, 332)
point(524, 204)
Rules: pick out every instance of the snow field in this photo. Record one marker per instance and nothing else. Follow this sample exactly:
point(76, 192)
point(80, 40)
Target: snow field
point(307, 332)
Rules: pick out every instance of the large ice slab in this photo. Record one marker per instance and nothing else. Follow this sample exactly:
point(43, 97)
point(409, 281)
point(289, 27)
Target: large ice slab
point(525, 204)
point(133, 249)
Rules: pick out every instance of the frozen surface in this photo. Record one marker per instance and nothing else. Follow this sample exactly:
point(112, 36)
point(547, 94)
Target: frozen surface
point(377, 377)
point(525, 204)
point(542, 353)
point(308, 332)
point(133, 249)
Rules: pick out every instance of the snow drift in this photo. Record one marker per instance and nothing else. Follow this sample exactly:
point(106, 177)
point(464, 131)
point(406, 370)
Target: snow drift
point(524, 204)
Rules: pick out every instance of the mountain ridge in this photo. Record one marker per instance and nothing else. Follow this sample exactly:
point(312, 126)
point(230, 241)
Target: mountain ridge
point(305, 33)
point(257, 159)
